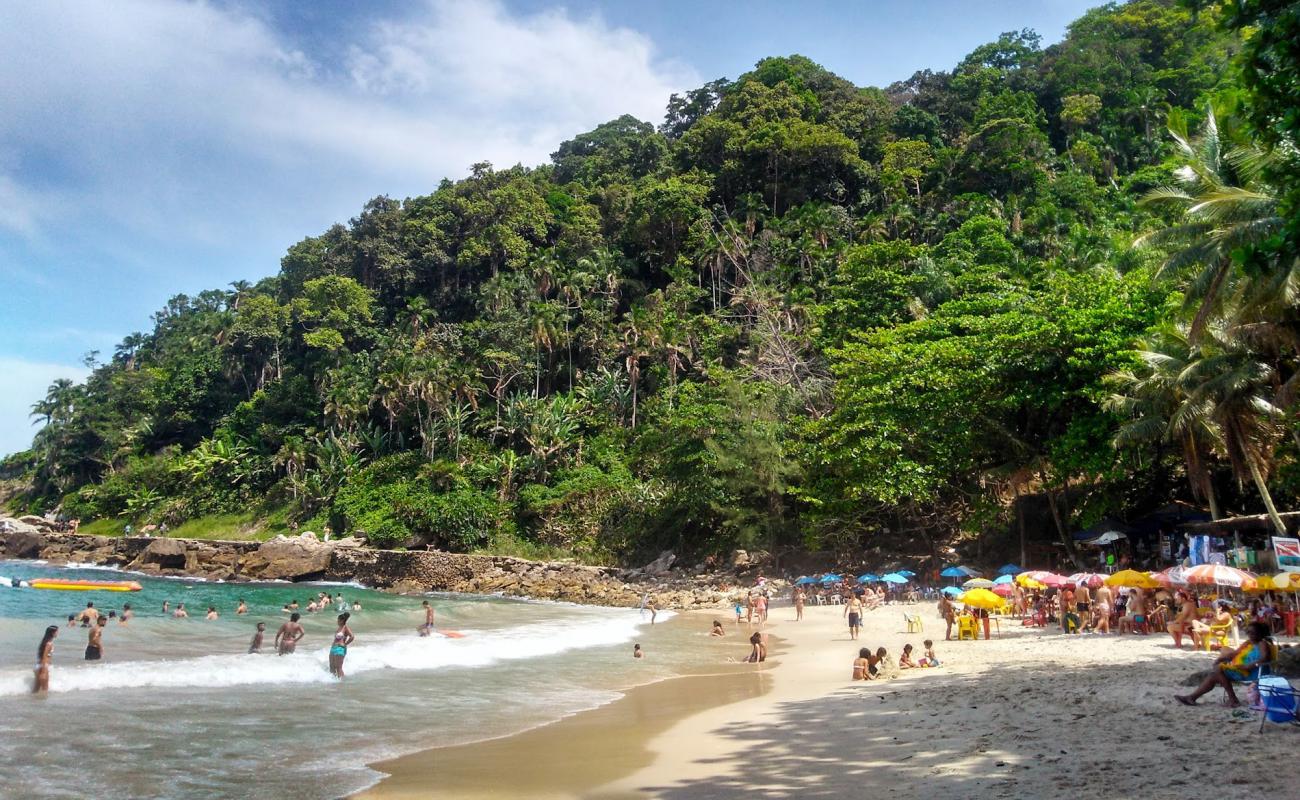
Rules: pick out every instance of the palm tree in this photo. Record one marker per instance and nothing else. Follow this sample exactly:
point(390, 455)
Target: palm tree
point(1155, 409)
point(1225, 205)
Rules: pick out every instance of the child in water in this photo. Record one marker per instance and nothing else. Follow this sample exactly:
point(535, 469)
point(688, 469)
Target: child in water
point(636, 651)
point(717, 629)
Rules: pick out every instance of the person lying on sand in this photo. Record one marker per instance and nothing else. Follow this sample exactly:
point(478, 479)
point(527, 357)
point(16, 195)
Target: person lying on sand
point(1239, 665)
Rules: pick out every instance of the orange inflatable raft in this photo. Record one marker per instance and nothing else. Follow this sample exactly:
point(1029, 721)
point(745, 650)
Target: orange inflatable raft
point(84, 586)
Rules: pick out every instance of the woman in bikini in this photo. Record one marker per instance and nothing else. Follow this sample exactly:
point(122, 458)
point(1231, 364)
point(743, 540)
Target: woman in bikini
point(861, 664)
point(44, 653)
point(339, 649)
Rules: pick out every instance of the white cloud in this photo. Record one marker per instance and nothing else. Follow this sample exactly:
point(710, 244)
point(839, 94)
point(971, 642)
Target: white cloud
point(185, 121)
point(24, 383)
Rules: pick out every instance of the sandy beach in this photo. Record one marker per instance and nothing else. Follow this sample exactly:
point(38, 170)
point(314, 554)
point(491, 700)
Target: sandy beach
point(1028, 713)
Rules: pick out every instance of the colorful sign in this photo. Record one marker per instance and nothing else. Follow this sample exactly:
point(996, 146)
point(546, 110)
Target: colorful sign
point(1288, 553)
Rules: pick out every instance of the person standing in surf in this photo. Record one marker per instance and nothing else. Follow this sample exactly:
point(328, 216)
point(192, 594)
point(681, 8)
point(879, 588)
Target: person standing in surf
point(339, 649)
point(290, 633)
point(44, 653)
point(95, 641)
point(427, 627)
point(255, 646)
point(127, 613)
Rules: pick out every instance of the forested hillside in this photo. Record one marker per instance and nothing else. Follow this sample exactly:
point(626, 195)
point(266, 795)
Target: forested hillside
point(796, 313)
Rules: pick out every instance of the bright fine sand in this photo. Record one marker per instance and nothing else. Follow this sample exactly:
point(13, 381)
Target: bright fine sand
point(1029, 713)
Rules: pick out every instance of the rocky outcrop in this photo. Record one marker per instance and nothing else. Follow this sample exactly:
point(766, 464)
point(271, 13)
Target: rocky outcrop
point(306, 558)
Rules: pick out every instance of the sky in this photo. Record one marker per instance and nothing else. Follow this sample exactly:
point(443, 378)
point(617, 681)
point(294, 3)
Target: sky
point(153, 147)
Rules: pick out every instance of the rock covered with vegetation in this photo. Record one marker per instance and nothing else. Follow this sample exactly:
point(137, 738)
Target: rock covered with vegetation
point(797, 314)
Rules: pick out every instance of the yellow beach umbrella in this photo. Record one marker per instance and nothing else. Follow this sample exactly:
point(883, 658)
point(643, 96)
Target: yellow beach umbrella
point(1263, 583)
point(981, 598)
point(1132, 579)
point(1286, 581)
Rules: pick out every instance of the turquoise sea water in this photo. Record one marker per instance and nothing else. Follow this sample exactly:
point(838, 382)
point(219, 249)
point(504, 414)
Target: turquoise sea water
point(178, 709)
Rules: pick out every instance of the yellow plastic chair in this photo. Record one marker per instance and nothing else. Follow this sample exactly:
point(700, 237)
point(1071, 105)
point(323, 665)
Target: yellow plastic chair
point(1216, 636)
point(914, 624)
point(967, 628)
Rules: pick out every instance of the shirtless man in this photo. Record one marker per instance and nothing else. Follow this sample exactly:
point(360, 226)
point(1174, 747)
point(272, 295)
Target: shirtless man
point(287, 638)
point(180, 612)
point(1083, 602)
point(427, 627)
point(95, 642)
point(853, 610)
point(242, 609)
point(1135, 612)
point(90, 616)
point(1182, 624)
point(255, 646)
point(212, 612)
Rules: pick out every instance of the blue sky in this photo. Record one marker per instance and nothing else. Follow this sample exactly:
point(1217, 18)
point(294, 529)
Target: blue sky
point(152, 147)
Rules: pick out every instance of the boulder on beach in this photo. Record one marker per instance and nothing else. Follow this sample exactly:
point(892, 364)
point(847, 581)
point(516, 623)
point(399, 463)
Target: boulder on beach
point(296, 558)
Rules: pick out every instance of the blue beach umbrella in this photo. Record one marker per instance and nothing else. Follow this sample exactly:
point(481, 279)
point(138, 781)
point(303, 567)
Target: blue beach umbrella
point(893, 577)
point(952, 591)
point(906, 573)
point(868, 577)
point(804, 581)
point(1010, 569)
point(1005, 579)
point(830, 577)
point(953, 572)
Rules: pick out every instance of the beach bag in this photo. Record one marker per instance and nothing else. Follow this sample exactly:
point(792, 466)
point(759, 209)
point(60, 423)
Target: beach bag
point(1278, 698)
point(1071, 623)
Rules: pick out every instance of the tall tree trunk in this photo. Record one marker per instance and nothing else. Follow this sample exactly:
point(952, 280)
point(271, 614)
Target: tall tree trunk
point(1020, 521)
point(1212, 499)
point(1066, 542)
point(1258, 476)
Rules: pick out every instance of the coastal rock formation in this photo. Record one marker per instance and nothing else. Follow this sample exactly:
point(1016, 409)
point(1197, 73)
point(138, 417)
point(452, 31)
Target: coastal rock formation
point(307, 558)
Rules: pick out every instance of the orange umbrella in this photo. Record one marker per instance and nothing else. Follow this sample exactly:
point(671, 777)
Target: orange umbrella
point(1220, 575)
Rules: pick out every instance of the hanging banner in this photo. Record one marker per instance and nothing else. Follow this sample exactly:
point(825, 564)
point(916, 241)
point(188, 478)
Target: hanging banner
point(1288, 553)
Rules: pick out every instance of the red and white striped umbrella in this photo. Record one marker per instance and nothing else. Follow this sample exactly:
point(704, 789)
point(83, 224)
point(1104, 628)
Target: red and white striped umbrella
point(1220, 575)
point(1171, 577)
point(1090, 579)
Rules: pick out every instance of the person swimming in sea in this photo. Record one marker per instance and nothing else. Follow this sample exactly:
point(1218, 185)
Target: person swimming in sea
point(290, 633)
point(212, 612)
point(95, 641)
point(427, 627)
point(339, 649)
point(242, 608)
point(255, 646)
point(44, 654)
point(636, 651)
point(127, 614)
point(167, 606)
point(180, 612)
point(356, 605)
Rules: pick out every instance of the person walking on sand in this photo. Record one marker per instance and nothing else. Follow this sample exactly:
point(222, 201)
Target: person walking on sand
point(339, 649)
point(95, 641)
point(799, 598)
point(853, 610)
point(427, 627)
point(255, 646)
point(290, 633)
point(44, 654)
point(1083, 602)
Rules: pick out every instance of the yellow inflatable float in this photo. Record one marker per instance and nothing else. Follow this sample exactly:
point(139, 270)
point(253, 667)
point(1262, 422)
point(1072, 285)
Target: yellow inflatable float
point(71, 585)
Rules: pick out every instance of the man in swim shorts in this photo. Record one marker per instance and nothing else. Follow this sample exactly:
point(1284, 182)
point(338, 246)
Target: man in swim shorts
point(95, 642)
point(290, 633)
point(427, 627)
point(853, 609)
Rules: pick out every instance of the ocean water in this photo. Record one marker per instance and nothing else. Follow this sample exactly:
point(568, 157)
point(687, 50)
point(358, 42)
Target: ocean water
point(179, 709)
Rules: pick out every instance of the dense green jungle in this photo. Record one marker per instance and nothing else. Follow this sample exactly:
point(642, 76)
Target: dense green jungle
point(796, 315)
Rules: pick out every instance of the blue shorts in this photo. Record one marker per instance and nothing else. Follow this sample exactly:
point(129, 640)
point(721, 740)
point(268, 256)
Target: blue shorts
point(338, 650)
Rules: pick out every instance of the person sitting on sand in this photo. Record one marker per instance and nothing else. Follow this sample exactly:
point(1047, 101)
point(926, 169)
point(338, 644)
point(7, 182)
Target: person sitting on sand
point(862, 665)
point(905, 660)
point(1136, 612)
point(717, 629)
point(928, 659)
point(1237, 665)
point(758, 649)
point(180, 612)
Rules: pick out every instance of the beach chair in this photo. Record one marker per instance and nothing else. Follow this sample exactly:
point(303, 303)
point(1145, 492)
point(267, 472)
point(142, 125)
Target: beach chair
point(913, 621)
point(1216, 636)
point(967, 628)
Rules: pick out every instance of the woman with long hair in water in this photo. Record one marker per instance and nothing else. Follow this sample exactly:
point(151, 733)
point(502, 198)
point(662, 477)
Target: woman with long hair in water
point(339, 649)
point(44, 653)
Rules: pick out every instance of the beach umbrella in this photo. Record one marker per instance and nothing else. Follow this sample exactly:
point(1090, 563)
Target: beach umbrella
point(1264, 583)
point(1171, 577)
point(1055, 581)
point(1004, 580)
point(981, 598)
point(831, 577)
point(868, 577)
point(1004, 590)
point(906, 573)
point(1220, 575)
point(1132, 579)
point(1090, 579)
point(893, 577)
point(1009, 569)
point(953, 572)
point(951, 590)
point(978, 583)
point(804, 581)
point(1287, 581)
